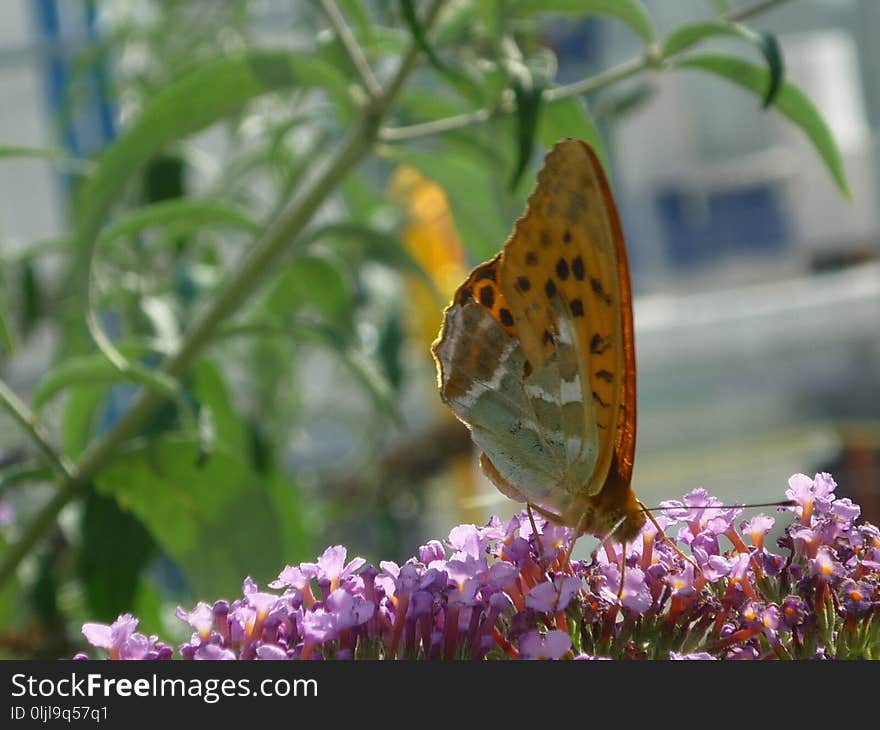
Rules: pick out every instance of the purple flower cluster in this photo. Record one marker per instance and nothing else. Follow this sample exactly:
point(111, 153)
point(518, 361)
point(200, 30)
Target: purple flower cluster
point(507, 589)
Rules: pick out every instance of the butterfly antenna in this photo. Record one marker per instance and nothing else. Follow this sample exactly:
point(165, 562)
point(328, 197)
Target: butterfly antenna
point(662, 533)
point(782, 503)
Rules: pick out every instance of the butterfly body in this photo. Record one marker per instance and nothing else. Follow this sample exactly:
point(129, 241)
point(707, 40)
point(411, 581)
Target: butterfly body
point(536, 354)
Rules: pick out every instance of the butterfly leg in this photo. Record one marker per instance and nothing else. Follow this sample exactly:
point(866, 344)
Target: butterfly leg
point(662, 533)
point(535, 531)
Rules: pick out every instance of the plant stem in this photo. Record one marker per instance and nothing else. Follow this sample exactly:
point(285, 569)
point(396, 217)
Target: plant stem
point(34, 429)
point(352, 48)
point(279, 234)
point(601, 80)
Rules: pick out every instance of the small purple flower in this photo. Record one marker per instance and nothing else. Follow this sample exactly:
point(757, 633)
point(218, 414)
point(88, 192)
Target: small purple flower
point(318, 626)
point(501, 575)
point(634, 595)
point(331, 567)
point(794, 610)
point(201, 618)
point(845, 510)
point(548, 597)
point(826, 566)
point(349, 610)
point(682, 582)
point(271, 652)
point(552, 645)
point(856, 596)
point(431, 551)
point(757, 528)
point(214, 652)
point(120, 640)
point(695, 656)
point(295, 576)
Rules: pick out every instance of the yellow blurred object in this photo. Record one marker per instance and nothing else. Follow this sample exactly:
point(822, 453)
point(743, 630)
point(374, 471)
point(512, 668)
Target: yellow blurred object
point(431, 237)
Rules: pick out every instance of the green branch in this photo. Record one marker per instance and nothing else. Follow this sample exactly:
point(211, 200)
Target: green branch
point(648, 60)
point(22, 415)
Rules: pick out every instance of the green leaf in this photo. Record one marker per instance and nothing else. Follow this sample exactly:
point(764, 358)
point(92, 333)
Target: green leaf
point(471, 186)
point(82, 370)
point(287, 510)
point(357, 10)
point(189, 104)
point(212, 515)
point(180, 213)
point(373, 244)
point(78, 417)
point(235, 437)
point(45, 153)
point(631, 12)
point(7, 342)
point(114, 551)
point(312, 284)
point(570, 118)
point(458, 79)
point(790, 101)
point(209, 389)
point(528, 110)
point(689, 35)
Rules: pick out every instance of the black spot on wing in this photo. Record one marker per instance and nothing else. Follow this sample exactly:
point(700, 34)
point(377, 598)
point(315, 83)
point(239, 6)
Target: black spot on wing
point(599, 290)
point(577, 268)
point(598, 344)
point(577, 308)
point(562, 269)
point(487, 296)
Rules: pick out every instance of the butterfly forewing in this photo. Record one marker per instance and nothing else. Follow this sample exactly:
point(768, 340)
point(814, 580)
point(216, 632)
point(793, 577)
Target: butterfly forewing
point(536, 353)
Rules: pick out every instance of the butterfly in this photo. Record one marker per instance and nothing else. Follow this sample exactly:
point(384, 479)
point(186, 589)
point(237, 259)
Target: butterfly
point(536, 354)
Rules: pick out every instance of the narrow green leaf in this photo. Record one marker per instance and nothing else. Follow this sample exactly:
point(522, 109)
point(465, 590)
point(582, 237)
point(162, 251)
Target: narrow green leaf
point(7, 342)
point(79, 416)
point(45, 153)
point(528, 110)
point(570, 118)
point(458, 79)
point(312, 284)
point(83, 370)
point(691, 34)
point(373, 244)
point(631, 12)
point(790, 101)
point(189, 104)
point(179, 212)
